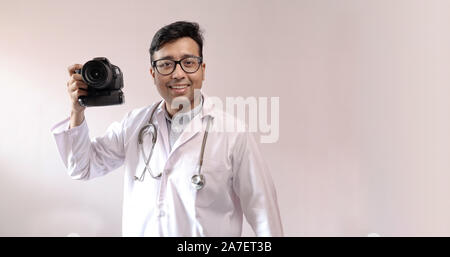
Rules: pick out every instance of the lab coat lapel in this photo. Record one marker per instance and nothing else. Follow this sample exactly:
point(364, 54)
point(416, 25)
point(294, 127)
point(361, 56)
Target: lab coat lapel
point(196, 125)
point(162, 129)
point(192, 129)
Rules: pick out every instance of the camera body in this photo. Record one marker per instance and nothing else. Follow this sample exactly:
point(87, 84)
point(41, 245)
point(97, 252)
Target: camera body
point(104, 81)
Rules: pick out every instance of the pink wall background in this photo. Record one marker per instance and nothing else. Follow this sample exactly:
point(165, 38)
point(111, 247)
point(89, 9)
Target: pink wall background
point(364, 107)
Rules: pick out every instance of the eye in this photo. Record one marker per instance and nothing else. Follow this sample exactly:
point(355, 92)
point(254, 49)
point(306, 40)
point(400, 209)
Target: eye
point(164, 64)
point(189, 62)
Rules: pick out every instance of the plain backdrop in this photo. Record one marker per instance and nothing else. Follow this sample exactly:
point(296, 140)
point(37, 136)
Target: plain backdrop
point(364, 106)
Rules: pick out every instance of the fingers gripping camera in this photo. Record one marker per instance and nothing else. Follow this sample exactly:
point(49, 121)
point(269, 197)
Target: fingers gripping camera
point(104, 81)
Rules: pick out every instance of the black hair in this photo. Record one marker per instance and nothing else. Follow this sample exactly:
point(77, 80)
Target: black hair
point(175, 31)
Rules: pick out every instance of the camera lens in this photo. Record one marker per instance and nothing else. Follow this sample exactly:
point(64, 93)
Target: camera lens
point(96, 74)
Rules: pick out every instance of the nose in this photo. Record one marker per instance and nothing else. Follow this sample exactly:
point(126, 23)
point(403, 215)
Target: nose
point(178, 73)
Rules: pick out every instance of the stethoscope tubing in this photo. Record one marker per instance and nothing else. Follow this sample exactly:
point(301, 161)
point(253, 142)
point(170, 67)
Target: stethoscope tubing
point(198, 180)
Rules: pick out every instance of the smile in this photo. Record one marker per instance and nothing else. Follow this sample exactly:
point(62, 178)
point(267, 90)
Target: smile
point(178, 86)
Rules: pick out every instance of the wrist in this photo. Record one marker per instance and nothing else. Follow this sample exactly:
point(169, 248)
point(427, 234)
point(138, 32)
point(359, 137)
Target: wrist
point(76, 112)
point(76, 118)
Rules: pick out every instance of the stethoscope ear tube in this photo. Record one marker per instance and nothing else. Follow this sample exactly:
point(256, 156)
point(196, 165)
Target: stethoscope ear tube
point(198, 180)
point(149, 128)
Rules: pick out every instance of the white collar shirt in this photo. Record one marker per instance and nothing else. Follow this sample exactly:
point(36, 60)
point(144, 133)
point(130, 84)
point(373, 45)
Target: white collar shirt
point(177, 123)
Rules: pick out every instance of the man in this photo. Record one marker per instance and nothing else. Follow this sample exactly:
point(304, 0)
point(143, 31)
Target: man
point(192, 183)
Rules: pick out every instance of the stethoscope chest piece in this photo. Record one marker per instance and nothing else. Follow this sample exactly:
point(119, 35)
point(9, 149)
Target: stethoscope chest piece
point(198, 181)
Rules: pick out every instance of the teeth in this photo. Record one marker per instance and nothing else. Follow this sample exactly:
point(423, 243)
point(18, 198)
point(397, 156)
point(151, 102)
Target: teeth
point(178, 87)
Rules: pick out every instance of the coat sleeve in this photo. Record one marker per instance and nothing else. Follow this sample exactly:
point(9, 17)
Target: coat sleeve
point(85, 158)
point(254, 186)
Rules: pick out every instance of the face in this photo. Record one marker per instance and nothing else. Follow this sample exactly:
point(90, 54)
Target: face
point(166, 84)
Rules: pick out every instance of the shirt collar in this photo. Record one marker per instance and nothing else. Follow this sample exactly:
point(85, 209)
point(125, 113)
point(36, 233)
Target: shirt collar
point(207, 108)
point(186, 117)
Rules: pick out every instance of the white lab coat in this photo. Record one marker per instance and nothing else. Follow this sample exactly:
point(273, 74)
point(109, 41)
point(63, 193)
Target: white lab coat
point(237, 179)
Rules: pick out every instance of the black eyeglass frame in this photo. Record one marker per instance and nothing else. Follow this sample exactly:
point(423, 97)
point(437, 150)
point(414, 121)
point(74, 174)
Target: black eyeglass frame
point(200, 59)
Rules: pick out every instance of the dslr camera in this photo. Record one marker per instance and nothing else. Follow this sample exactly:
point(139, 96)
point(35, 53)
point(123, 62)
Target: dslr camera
point(104, 81)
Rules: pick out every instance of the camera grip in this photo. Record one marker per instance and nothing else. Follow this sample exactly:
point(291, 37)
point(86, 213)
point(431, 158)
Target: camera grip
point(102, 99)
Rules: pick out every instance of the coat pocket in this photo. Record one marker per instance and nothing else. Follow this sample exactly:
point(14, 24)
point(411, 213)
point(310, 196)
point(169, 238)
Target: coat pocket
point(217, 185)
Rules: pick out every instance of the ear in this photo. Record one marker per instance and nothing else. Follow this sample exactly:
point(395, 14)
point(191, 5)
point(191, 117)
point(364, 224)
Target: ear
point(203, 71)
point(152, 72)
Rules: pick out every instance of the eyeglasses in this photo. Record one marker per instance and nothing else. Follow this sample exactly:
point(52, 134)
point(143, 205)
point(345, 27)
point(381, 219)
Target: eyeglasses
point(188, 64)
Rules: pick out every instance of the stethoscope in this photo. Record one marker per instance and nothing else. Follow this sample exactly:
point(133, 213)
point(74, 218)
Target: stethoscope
point(197, 180)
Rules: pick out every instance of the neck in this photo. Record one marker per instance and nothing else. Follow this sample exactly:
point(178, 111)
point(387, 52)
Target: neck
point(172, 111)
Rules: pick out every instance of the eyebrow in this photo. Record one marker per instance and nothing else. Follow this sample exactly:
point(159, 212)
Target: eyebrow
point(170, 57)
